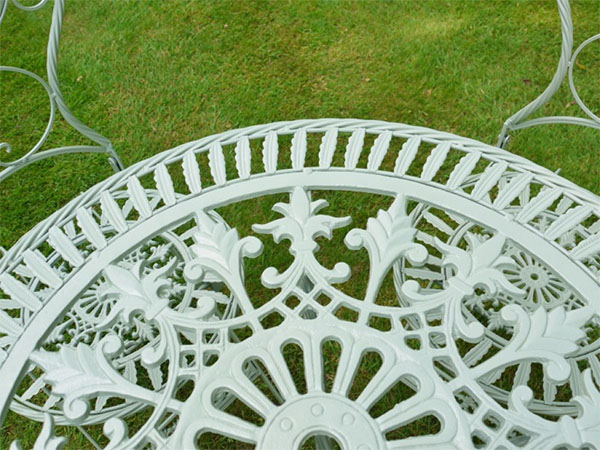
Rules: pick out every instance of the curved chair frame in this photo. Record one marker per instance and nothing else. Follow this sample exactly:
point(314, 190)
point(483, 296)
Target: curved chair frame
point(566, 65)
point(57, 102)
point(495, 264)
point(487, 188)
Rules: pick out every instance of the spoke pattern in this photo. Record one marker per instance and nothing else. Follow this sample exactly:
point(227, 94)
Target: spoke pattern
point(473, 288)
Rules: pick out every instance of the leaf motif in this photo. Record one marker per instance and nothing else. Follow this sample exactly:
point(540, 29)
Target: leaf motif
point(41, 269)
point(155, 376)
point(488, 179)
point(70, 368)
point(525, 195)
point(588, 421)
point(216, 163)
point(130, 372)
point(113, 212)
point(216, 244)
point(19, 292)
point(435, 160)
point(512, 190)
point(35, 388)
point(540, 203)
point(8, 325)
point(90, 228)
point(70, 229)
point(100, 403)
point(564, 204)
point(523, 374)
point(299, 149)
point(64, 246)
point(438, 223)
point(270, 152)
point(219, 250)
point(463, 169)
point(407, 155)
point(164, 183)
point(481, 265)
point(327, 148)
point(595, 367)
point(79, 373)
point(388, 237)
point(243, 157)
point(586, 248)
point(23, 271)
point(51, 402)
point(488, 253)
point(380, 148)
point(191, 172)
point(424, 274)
point(568, 221)
point(546, 335)
point(474, 355)
point(354, 148)
point(137, 194)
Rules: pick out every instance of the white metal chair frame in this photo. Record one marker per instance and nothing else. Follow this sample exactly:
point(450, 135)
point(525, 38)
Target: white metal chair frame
point(495, 262)
point(57, 102)
point(566, 65)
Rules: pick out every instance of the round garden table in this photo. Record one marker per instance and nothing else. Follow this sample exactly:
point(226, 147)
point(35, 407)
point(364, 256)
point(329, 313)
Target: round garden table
point(132, 299)
point(410, 289)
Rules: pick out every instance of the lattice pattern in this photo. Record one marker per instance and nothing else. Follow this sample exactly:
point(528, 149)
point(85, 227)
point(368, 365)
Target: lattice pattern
point(133, 300)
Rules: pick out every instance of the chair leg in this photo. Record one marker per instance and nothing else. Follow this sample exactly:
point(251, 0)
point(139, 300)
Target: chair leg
point(115, 161)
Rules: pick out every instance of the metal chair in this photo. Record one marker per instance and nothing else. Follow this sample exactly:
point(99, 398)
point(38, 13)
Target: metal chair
point(133, 300)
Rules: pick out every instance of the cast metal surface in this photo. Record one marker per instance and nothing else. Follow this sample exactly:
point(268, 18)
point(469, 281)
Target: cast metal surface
point(134, 291)
point(138, 298)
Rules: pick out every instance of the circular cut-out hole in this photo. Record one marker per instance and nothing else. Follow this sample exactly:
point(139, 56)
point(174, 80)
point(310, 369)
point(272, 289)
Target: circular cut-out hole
point(320, 440)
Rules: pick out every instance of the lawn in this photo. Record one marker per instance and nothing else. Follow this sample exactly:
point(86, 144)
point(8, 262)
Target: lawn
point(152, 75)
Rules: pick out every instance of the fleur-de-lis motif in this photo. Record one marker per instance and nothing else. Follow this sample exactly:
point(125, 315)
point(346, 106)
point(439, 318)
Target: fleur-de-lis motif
point(136, 291)
point(301, 224)
point(479, 266)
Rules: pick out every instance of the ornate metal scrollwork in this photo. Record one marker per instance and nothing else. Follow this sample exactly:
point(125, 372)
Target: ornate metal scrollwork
point(130, 309)
point(157, 337)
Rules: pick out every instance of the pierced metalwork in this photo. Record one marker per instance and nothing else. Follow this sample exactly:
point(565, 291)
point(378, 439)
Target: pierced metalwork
point(132, 308)
point(564, 70)
point(56, 100)
point(132, 301)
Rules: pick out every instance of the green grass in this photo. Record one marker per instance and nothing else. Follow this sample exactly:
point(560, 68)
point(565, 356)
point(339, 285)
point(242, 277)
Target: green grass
point(151, 75)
